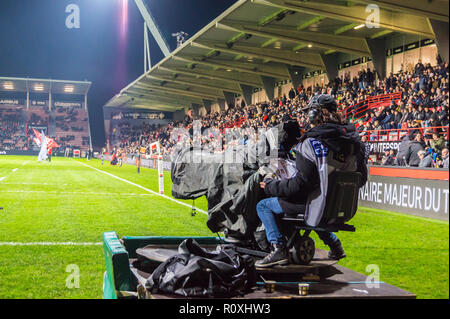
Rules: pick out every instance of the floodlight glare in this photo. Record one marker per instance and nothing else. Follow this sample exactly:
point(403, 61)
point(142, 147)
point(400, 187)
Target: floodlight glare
point(68, 89)
point(8, 86)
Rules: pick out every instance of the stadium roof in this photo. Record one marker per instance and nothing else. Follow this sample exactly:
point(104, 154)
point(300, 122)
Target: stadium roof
point(259, 42)
point(23, 85)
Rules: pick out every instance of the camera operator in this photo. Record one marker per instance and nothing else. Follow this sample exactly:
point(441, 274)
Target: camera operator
point(327, 146)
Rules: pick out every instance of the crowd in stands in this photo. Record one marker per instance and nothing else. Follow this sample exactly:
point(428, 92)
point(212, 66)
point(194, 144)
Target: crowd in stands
point(131, 137)
point(420, 112)
point(12, 129)
point(68, 126)
point(72, 127)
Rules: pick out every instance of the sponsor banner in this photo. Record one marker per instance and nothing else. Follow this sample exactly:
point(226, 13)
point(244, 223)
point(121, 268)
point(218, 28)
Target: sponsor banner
point(412, 46)
point(38, 103)
point(380, 147)
point(68, 104)
point(10, 102)
point(138, 115)
point(398, 50)
point(426, 42)
point(14, 152)
point(425, 198)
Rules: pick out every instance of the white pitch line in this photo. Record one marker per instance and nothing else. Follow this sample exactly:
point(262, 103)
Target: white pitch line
point(40, 184)
point(48, 244)
point(76, 193)
point(3, 178)
point(142, 187)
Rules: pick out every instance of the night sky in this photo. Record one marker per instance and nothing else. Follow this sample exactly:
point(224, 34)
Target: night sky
point(35, 42)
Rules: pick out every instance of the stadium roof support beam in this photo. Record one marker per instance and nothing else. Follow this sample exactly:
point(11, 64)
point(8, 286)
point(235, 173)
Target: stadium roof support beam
point(208, 105)
point(213, 75)
point(436, 9)
point(183, 89)
point(154, 106)
point(229, 98)
point(188, 77)
point(221, 103)
point(247, 92)
point(326, 41)
point(148, 101)
point(189, 83)
point(269, 86)
point(331, 65)
point(28, 96)
point(309, 23)
point(178, 115)
point(162, 95)
point(153, 27)
point(50, 98)
point(134, 97)
point(296, 76)
point(256, 69)
point(166, 101)
point(395, 21)
point(196, 108)
point(440, 29)
point(378, 53)
point(180, 91)
point(286, 57)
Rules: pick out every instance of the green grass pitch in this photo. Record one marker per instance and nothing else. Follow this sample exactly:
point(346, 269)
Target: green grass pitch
point(67, 202)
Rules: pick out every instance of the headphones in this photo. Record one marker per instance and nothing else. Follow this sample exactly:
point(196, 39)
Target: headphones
point(315, 116)
point(315, 106)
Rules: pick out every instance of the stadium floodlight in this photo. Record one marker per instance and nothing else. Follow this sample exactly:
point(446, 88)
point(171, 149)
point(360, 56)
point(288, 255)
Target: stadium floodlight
point(181, 37)
point(69, 89)
point(39, 87)
point(8, 86)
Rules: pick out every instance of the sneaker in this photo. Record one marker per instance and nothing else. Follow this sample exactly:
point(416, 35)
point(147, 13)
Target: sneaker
point(278, 256)
point(337, 252)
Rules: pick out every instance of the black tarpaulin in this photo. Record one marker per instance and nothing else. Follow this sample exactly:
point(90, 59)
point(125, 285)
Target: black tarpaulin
point(196, 272)
point(230, 180)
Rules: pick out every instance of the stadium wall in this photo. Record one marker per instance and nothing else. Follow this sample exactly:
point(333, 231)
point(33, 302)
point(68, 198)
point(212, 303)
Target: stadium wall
point(20, 153)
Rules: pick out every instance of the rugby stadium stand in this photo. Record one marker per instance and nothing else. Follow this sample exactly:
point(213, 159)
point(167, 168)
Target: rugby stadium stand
point(59, 108)
point(262, 60)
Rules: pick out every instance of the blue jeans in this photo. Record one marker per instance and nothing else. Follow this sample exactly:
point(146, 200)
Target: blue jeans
point(267, 208)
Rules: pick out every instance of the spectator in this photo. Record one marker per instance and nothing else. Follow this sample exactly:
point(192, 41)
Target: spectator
point(389, 158)
point(426, 160)
point(418, 69)
point(416, 145)
point(437, 143)
point(366, 147)
point(445, 156)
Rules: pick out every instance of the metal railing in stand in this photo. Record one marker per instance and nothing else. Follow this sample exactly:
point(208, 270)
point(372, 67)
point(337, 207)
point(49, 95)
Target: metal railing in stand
point(396, 135)
point(373, 102)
